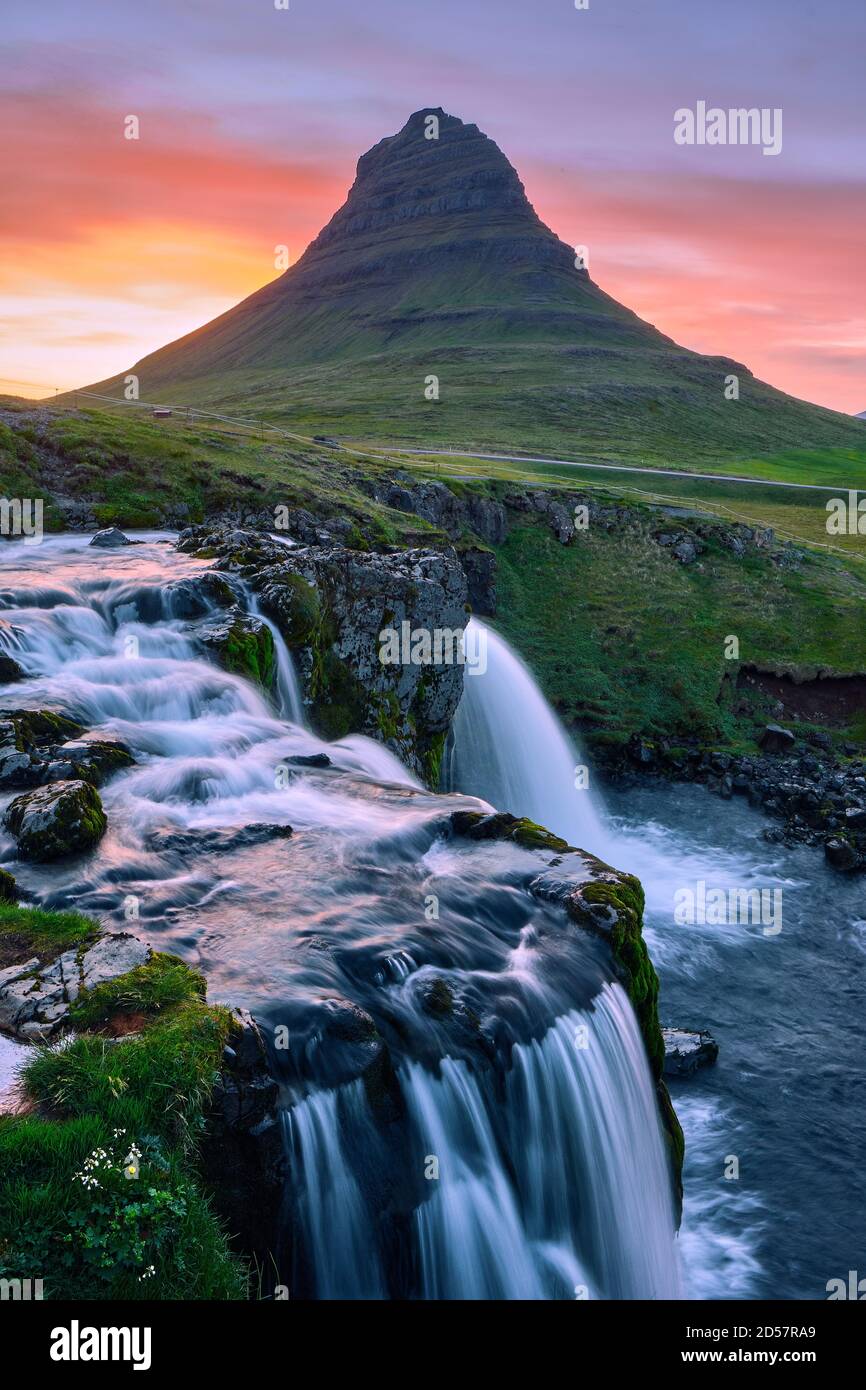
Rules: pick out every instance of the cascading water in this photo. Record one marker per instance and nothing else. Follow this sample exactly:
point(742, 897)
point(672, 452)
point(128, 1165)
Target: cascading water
point(508, 747)
point(469, 1108)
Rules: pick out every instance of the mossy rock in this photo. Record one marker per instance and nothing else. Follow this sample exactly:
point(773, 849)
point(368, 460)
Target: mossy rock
point(8, 888)
point(294, 605)
point(475, 825)
point(55, 821)
point(37, 727)
point(243, 646)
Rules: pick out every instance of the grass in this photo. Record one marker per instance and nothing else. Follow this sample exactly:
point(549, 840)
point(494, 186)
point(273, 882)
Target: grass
point(68, 1213)
point(613, 663)
point(35, 932)
point(134, 472)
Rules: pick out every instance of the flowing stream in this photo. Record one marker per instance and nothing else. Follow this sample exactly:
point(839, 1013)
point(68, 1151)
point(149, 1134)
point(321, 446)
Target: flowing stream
point(507, 1143)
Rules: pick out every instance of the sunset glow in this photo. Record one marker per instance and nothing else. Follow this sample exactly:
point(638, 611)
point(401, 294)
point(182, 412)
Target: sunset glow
point(113, 247)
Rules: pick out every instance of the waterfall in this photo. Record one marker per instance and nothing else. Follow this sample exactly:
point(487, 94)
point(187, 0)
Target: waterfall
point(549, 1182)
point(527, 1090)
point(508, 747)
point(290, 701)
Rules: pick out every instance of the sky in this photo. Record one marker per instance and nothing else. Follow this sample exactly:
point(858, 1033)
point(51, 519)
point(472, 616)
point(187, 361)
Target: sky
point(251, 120)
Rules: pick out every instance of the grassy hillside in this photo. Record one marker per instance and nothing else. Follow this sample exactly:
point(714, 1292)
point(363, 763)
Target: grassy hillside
point(634, 641)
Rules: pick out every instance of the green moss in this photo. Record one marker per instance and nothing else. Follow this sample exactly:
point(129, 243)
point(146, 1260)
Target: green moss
point(249, 651)
point(301, 616)
point(501, 826)
point(431, 760)
point(8, 888)
point(39, 726)
point(340, 702)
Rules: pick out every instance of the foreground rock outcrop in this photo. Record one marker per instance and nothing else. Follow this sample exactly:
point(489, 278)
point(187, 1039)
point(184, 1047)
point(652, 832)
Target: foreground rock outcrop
point(340, 611)
point(36, 996)
point(686, 1051)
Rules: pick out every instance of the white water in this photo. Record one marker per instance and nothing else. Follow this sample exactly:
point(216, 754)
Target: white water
point(552, 1170)
point(508, 747)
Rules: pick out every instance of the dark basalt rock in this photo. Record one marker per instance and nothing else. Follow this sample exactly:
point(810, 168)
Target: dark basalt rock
point(199, 595)
point(843, 855)
point(242, 1148)
point(775, 739)
point(28, 741)
point(92, 761)
point(331, 605)
point(686, 1051)
point(40, 746)
point(241, 644)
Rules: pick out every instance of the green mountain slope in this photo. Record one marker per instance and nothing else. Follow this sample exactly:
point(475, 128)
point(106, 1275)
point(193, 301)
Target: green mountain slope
point(437, 265)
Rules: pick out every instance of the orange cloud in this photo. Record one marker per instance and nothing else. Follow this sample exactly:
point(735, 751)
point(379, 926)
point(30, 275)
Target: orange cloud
point(118, 246)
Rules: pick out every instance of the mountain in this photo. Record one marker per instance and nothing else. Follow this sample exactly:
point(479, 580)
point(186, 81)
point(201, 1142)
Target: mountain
point(437, 265)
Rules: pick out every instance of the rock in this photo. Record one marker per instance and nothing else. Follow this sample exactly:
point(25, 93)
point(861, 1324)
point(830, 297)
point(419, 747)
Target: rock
point(242, 645)
point(10, 670)
point(26, 739)
point(686, 550)
point(479, 566)
point(58, 820)
point(242, 1147)
point(199, 595)
point(309, 760)
point(775, 739)
point(8, 888)
point(640, 752)
point(841, 854)
point(112, 955)
point(111, 538)
point(855, 816)
point(686, 1051)
point(35, 998)
point(92, 761)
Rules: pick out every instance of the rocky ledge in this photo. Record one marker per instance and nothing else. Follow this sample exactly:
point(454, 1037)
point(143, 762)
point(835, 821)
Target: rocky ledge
point(332, 606)
point(819, 799)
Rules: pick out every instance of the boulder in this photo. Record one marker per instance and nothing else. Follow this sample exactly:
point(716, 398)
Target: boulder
point(841, 854)
point(58, 820)
point(775, 739)
point(111, 539)
point(10, 670)
point(686, 1051)
point(91, 760)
